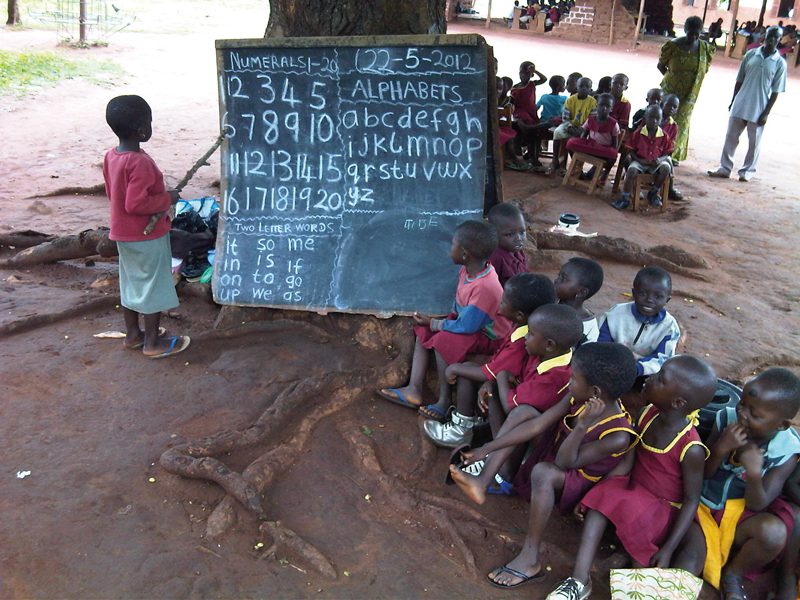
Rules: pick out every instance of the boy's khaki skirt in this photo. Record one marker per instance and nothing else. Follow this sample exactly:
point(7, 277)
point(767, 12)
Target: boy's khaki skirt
point(145, 276)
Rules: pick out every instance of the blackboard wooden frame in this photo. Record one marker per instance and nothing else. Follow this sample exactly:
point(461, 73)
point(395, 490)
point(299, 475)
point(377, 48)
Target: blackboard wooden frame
point(492, 188)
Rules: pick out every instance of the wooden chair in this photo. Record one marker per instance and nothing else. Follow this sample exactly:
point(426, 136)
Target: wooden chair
point(575, 169)
point(644, 183)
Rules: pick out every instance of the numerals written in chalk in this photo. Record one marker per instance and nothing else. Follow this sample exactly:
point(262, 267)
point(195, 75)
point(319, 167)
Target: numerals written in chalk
point(287, 198)
point(268, 93)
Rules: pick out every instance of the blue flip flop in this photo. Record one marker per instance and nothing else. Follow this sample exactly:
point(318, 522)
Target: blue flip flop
point(395, 396)
point(431, 411)
point(500, 487)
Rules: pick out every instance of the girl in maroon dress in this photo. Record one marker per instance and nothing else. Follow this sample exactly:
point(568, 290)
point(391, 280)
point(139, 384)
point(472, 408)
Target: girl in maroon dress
point(653, 506)
point(579, 440)
point(600, 136)
point(523, 96)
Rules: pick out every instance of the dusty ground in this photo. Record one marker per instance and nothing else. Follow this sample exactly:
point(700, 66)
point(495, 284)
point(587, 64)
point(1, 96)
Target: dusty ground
point(90, 420)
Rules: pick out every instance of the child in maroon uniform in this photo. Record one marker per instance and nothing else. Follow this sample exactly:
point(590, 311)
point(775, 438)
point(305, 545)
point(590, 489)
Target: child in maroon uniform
point(508, 259)
point(523, 95)
point(523, 294)
point(653, 507)
point(135, 188)
point(472, 327)
point(599, 138)
point(553, 330)
point(650, 150)
point(622, 108)
point(593, 434)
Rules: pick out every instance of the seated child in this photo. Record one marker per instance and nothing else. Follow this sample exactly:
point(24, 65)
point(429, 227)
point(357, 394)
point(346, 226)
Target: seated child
point(472, 327)
point(572, 83)
point(522, 294)
point(591, 441)
point(599, 137)
point(577, 109)
point(553, 330)
point(669, 106)
point(505, 109)
point(786, 576)
point(743, 523)
point(649, 149)
point(523, 94)
point(552, 106)
point(576, 442)
point(603, 86)
point(508, 259)
point(654, 96)
point(644, 325)
point(578, 280)
point(653, 506)
point(622, 108)
point(135, 189)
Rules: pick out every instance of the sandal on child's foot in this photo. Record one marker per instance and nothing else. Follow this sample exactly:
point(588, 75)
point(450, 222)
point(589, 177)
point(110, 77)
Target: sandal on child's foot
point(431, 411)
point(731, 587)
point(500, 487)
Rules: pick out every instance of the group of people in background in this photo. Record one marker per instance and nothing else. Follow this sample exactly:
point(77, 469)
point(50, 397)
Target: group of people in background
point(595, 120)
point(539, 397)
point(550, 10)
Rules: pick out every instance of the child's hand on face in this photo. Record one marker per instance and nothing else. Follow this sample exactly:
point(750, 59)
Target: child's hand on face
point(591, 413)
point(751, 458)
point(733, 436)
point(421, 320)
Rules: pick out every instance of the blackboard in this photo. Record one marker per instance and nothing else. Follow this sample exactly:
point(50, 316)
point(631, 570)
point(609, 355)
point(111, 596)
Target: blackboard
point(346, 167)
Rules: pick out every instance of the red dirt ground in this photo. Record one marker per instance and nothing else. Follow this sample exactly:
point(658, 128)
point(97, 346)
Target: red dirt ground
point(90, 420)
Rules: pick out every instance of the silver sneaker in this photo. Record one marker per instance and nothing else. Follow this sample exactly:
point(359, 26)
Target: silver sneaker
point(452, 434)
point(571, 589)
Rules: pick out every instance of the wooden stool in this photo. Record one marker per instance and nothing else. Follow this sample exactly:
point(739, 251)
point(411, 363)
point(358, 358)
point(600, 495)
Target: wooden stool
point(576, 169)
point(644, 183)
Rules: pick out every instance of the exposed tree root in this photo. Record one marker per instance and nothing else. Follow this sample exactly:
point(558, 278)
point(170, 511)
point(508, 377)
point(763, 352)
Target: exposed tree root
point(24, 239)
point(40, 320)
point(317, 397)
point(86, 243)
point(94, 190)
point(283, 536)
point(616, 249)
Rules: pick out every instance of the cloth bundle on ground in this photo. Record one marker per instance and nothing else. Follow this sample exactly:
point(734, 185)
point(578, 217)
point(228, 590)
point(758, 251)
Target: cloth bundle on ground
point(193, 233)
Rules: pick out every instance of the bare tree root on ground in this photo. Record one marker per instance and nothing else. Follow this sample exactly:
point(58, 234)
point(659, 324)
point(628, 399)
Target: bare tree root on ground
point(621, 250)
point(87, 243)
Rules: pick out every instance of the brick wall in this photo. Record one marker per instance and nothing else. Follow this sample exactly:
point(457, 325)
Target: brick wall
point(580, 15)
point(590, 21)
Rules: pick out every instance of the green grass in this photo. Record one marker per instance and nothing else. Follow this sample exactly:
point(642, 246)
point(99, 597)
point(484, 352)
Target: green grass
point(21, 71)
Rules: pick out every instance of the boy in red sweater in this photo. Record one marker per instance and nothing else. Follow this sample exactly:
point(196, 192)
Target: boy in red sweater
point(135, 187)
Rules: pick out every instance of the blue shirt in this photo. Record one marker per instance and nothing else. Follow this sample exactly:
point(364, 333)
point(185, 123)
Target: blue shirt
point(552, 106)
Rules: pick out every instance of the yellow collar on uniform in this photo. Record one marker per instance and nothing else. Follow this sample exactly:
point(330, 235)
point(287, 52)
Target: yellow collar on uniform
point(646, 131)
point(519, 332)
point(557, 361)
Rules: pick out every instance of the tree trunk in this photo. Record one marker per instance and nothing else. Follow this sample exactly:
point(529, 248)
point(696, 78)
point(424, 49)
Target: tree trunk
point(761, 14)
point(13, 13)
point(288, 18)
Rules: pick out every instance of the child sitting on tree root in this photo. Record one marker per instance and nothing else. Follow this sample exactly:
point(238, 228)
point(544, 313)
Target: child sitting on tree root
point(472, 328)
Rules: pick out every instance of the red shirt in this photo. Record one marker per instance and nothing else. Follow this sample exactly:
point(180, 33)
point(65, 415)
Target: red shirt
point(135, 187)
point(524, 98)
point(621, 111)
point(543, 383)
point(671, 129)
point(649, 148)
point(507, 264)
point(510, 357)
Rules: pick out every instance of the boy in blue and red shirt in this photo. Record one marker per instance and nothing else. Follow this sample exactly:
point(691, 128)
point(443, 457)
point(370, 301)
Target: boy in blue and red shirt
point(650, 149)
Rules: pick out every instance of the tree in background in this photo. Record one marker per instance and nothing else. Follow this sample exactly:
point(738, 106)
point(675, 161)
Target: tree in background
point(289, 18)
point(13, 13)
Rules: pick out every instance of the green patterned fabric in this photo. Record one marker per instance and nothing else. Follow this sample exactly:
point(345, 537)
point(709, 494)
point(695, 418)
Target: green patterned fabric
point(684, 76)
point(654, 584)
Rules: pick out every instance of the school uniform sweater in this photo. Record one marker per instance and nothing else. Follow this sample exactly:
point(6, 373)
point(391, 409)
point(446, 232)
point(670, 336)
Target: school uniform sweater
point(651, 339)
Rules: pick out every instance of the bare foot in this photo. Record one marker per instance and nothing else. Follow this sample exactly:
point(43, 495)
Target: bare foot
point(470, 485)
point(504, 575)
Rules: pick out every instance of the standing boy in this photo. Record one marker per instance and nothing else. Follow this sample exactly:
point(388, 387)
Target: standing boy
point(761, 77)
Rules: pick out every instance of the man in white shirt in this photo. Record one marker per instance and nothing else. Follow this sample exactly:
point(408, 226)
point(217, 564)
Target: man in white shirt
point(761, 77)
